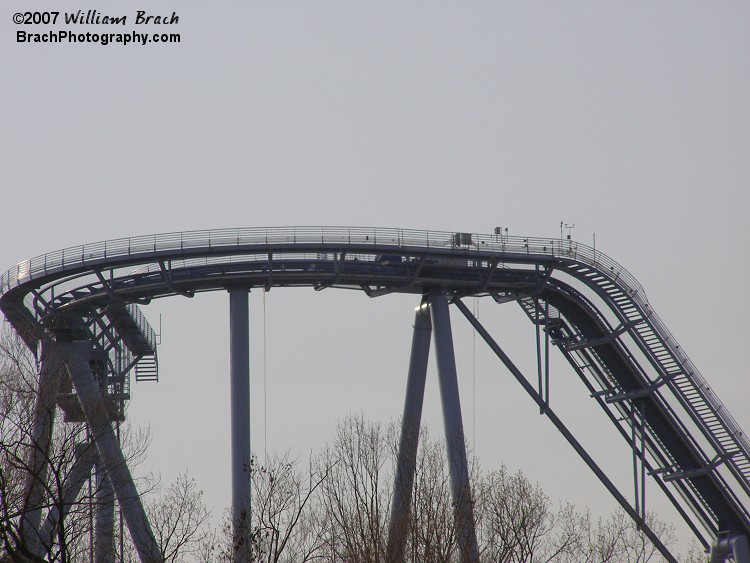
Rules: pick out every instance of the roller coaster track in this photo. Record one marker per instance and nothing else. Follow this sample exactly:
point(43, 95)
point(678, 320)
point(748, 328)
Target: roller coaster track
point(580, 301)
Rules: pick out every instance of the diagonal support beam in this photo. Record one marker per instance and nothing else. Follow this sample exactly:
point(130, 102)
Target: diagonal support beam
point(110, 454)
point(85, 457)
point(43, 422)
point(410, 428)
point(579, 449)
point(454, 430)
point(104, 521)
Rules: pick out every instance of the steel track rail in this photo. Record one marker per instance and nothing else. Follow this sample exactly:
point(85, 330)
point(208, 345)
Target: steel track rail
point(41, 294)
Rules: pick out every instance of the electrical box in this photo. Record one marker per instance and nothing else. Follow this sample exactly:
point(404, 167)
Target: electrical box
point(462, 239)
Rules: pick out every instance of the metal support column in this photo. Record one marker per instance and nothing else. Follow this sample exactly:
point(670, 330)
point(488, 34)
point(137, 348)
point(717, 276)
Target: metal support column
point(410, 427)
point(110, 454)
point(454, 431)
point(239, 367)
point(638, 432)
point(542, 363)
point(41, 436)
point(733, 547)
point(104, 522)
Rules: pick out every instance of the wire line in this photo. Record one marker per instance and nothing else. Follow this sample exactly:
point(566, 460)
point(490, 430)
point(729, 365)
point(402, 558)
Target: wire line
point(265, 383)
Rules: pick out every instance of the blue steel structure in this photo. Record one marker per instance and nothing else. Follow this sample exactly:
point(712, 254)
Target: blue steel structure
point(79, 308)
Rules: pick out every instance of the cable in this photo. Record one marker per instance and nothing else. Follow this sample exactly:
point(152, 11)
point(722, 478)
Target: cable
point(265, 381)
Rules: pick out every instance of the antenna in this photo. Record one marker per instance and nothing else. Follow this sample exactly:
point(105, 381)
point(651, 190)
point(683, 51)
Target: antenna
point(564, 225)
point(567, 226)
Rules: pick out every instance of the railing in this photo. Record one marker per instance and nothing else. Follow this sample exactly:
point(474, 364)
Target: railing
point(218, 240)
point(143, 325)
point(148, 246)
point(145, 250)
point(224, 239)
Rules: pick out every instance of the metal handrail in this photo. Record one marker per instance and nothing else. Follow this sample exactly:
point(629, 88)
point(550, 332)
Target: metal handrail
point(218, 239)
point(143, 325)
point(223, 240)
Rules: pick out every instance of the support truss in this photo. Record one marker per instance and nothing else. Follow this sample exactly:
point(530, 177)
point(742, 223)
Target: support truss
point(579, 449)
point(61, 361)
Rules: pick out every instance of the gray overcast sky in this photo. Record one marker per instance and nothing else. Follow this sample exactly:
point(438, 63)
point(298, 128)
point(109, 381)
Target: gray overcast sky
point(630, 120)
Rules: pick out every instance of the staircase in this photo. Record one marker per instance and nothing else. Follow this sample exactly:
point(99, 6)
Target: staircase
point(668, 377)
point(147, 368)
point(676, 370)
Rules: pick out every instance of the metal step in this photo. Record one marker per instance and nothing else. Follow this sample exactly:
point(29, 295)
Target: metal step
point(147, 368)
point(689, 387)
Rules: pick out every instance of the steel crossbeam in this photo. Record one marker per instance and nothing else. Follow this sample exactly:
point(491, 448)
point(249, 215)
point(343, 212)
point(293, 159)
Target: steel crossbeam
point(655, 395)
point(111, 456)
point(579, 449)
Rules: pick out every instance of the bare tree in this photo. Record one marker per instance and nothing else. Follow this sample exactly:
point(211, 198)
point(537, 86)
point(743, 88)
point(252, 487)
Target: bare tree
point(336, 510)
point(210, 549)
point(179, 520)
point(517, 523)
point(355, 495)
point(34, 479)
point(432, 527)
point(637, 545)
point(695, 554)
point(617, 538)
point(286, 523)
point(47, 495)
point(630, 543)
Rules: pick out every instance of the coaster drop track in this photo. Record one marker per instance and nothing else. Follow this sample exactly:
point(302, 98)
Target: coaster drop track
point(79, 308)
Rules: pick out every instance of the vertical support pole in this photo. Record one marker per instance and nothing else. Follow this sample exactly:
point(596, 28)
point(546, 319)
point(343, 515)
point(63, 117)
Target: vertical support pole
point(104, 522)
point(642, 411)
point(546, 354)
point(110, 454)
point(634, 444)
point(638, 423)
point(542, 365)
point(410, 427)
point(90, 479)
point(454, 432)
point(41, 436)
point(643, 458)
point(538, 330)
point(239, 367)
